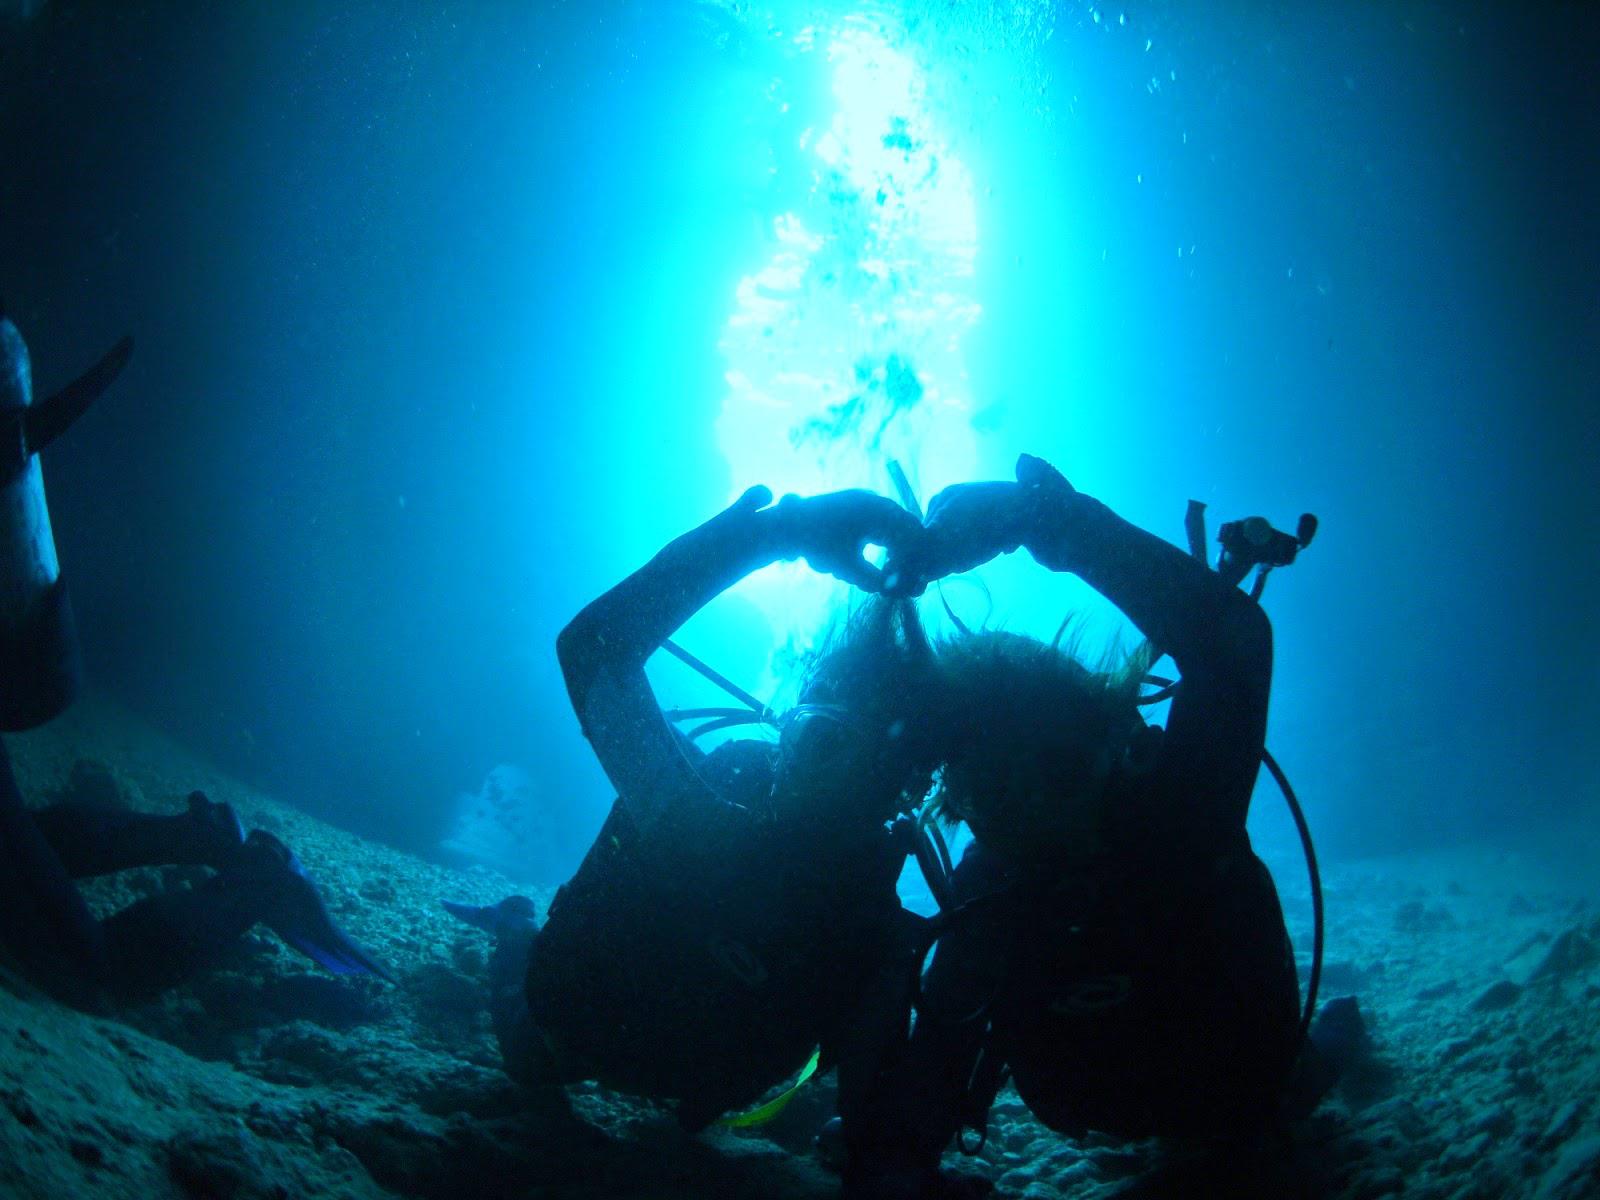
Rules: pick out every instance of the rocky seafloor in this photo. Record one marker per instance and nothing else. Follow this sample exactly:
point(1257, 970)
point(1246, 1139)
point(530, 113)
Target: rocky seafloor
point(1478, 970)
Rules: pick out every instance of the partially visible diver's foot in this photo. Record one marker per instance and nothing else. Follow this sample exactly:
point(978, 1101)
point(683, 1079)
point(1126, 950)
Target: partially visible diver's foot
point(294, 910)
point(1338, 1045)
point(218, 832)
point(1340, 1031)
point(493, 919)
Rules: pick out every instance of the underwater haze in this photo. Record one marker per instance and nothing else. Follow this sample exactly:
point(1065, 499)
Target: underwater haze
point(447, 317)
point(450, 315)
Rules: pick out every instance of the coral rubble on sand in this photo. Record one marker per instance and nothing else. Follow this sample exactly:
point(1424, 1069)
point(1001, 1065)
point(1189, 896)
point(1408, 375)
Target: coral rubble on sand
point(1480, 980)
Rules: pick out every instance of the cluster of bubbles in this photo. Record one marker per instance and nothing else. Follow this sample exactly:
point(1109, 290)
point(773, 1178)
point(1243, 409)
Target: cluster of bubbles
point(844, 348)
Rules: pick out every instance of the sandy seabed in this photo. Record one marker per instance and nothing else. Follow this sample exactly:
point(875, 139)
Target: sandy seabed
point(1478, 970)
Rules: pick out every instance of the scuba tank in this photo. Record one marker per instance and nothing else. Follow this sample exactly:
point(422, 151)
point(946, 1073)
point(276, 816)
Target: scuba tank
point(40, 667)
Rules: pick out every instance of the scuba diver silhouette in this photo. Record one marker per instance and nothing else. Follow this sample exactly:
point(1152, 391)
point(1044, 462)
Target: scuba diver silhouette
point(737, 906)
point(1111, 944)
point(45, 926)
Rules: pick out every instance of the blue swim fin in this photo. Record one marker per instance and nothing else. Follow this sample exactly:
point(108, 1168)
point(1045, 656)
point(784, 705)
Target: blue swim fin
point(296, 913)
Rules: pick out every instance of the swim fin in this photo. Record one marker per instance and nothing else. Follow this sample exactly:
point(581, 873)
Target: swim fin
point(492, 918)
point(1338, 1046)
point(45, 421)
point(294, 910)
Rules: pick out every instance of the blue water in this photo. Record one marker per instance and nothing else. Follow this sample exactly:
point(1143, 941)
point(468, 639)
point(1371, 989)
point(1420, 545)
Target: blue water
point(449, 316)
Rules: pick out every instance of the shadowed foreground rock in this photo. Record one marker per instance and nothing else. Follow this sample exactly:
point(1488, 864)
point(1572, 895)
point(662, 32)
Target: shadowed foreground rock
point(269, 1080)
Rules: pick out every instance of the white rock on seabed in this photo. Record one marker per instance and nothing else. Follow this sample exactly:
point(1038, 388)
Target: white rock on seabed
point(1479, 976)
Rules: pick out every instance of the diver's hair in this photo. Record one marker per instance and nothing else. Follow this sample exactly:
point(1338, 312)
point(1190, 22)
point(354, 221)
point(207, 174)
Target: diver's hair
point(1005, 697)
point(878, 666)
point(872, 661)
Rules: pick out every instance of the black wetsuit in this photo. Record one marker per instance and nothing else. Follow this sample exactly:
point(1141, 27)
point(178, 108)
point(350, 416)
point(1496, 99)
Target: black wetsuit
point(1147, 988)
point(46, 927)
point(161, 940)
point(708, 944)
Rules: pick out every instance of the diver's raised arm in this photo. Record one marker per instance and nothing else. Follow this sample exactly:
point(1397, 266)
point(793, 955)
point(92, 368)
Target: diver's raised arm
point(1179, 603)
point(1219, 637)
point(623, 627)
point(604, 648)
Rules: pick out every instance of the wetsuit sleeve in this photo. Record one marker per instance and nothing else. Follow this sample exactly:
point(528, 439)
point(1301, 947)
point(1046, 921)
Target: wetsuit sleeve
point(1219, 637)
point(603, 652)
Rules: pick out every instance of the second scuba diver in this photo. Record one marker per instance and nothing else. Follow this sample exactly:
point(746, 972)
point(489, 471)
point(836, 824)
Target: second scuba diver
point(46, 928)
point(164, 939)
point(1113, 946)
point(737, 906)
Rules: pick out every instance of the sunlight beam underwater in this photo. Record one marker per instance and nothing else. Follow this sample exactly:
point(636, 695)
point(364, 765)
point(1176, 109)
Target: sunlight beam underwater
point(844, 350)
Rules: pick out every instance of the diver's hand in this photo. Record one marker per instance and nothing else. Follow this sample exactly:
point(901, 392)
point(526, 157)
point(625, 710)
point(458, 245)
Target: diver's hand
point(968, 524)
point(832, 533)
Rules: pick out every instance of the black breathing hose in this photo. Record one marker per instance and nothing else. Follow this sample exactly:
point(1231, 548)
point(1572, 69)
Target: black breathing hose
point(1314, 981)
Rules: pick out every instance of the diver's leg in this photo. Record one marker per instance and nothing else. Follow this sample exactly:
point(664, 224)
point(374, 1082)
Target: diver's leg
point(92, 840)
point(164, 939)
point(1337, 1041)
point(523, 1051)
point(898, 1129)
point(44, 923)
point(874, 1042)
point(896, 1133)
point(873, 1045)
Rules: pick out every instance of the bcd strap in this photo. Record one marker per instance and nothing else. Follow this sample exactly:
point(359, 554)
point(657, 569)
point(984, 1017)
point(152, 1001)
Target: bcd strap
point(933, 861)
point(983, 1085)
